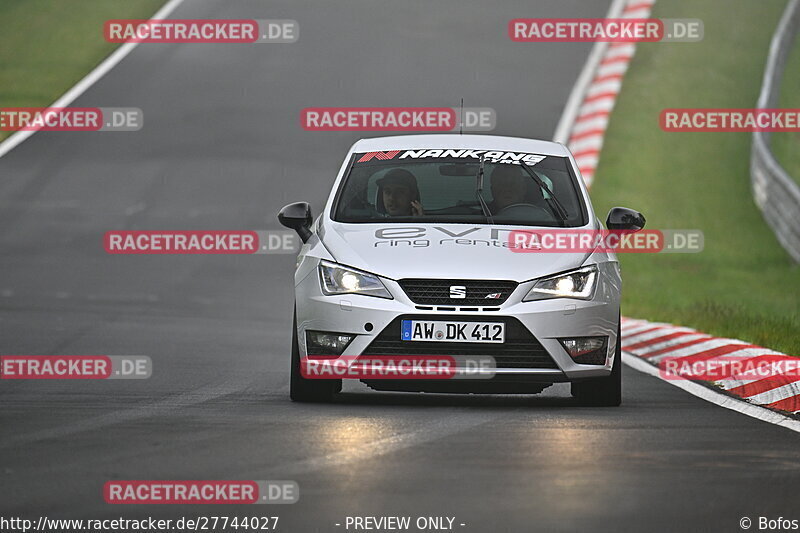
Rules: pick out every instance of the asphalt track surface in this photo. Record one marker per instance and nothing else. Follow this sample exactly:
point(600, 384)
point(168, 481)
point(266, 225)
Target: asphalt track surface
point(222, 149)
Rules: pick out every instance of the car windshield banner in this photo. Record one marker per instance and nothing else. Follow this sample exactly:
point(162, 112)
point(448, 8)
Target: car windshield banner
point(489, 156)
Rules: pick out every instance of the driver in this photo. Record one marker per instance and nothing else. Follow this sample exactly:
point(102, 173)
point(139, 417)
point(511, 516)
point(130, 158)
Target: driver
point(398, 194)
point(509, 186)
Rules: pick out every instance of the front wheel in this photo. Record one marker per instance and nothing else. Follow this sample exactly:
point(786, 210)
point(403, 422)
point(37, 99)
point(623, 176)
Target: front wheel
point(606, 391)
point(308, 390)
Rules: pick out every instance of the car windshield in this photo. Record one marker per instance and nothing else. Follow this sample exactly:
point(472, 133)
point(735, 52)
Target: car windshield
point(441, 186)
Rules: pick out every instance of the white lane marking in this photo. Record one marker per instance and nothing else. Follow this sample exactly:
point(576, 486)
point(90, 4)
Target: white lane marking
point(575, 99)
point(714, 397)
point(88, 80)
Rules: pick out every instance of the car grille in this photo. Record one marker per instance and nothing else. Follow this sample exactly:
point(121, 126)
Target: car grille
point(520, 349)
point(438, 291)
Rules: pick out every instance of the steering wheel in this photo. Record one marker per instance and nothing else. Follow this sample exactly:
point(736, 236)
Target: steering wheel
point(525, 210)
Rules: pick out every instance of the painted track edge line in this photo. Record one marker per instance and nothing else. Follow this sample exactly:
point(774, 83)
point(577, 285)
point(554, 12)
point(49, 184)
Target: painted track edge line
point(87, 81)
point(708, 394)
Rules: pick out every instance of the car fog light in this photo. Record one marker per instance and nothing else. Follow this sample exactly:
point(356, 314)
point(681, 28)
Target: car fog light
point(586, 350)
point(326, 343)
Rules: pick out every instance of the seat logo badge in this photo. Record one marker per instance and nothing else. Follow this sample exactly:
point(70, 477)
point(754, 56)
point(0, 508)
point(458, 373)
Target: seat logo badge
point(458, 292)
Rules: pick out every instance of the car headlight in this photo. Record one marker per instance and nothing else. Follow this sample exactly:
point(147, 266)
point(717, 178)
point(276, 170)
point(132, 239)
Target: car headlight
point(337, 279)
point(576, 284)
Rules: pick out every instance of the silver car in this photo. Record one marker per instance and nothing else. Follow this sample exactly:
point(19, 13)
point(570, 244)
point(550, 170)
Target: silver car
point(414, 255)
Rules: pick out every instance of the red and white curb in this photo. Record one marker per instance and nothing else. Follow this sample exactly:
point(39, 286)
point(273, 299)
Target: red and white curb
point(583, 124)
point(582, 127)
point(775, 398)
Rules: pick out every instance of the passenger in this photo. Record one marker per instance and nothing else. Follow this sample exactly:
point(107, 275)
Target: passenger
point(509, 186)
point(398, 194)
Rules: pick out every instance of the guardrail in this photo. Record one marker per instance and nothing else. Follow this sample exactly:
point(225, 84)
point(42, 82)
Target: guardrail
point(776, 194)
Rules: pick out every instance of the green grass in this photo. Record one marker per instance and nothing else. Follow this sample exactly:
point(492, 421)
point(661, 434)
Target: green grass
point(743, 284)
point(46, 46)
point(786, 145)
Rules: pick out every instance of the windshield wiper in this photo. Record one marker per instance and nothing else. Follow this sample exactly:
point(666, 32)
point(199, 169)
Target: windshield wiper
point(555, 206)
point(479, 194)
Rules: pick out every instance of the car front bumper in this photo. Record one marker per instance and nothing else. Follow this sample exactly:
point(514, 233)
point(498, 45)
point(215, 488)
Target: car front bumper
point(547, 320)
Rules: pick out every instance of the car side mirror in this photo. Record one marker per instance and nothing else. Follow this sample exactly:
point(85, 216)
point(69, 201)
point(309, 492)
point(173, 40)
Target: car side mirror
point(297, 216)
point(624, 218)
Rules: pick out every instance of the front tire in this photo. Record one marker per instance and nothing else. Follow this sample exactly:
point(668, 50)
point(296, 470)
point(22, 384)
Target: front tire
point(308, 390)
point(606, 391)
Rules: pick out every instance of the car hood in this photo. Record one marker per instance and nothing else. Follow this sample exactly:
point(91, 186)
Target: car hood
point(443, 251)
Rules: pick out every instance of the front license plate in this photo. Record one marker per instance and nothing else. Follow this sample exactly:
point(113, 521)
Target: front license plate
point(446, 331)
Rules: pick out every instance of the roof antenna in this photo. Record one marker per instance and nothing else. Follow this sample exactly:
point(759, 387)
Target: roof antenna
point(461, 119)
